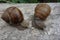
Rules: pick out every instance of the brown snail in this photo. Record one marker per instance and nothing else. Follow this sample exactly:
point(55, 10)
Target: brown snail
point(42, 11)
point(12, 15)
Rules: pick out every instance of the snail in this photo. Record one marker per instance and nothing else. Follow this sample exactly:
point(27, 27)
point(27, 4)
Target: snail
point(42, 11)
point(12, 15)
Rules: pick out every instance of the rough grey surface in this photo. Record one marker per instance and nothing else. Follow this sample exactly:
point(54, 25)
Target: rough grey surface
point(52, 30)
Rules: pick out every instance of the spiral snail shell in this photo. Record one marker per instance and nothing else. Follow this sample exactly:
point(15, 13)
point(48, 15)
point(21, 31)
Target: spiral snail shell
point(12, 15)
point(42, 11)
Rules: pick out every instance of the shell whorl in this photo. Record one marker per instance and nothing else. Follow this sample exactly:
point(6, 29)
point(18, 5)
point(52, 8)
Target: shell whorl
point(42, 11)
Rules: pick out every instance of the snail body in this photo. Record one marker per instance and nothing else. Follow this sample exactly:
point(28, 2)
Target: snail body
point(37, 23)
point(12, 15)
point(42, 11)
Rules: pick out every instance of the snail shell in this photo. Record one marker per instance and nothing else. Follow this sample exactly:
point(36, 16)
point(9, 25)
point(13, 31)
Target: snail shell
point(42, 11)
point(12, 15)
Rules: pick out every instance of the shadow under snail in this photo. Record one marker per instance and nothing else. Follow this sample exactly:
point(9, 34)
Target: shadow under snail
point(42, 11)
point(12, 15)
